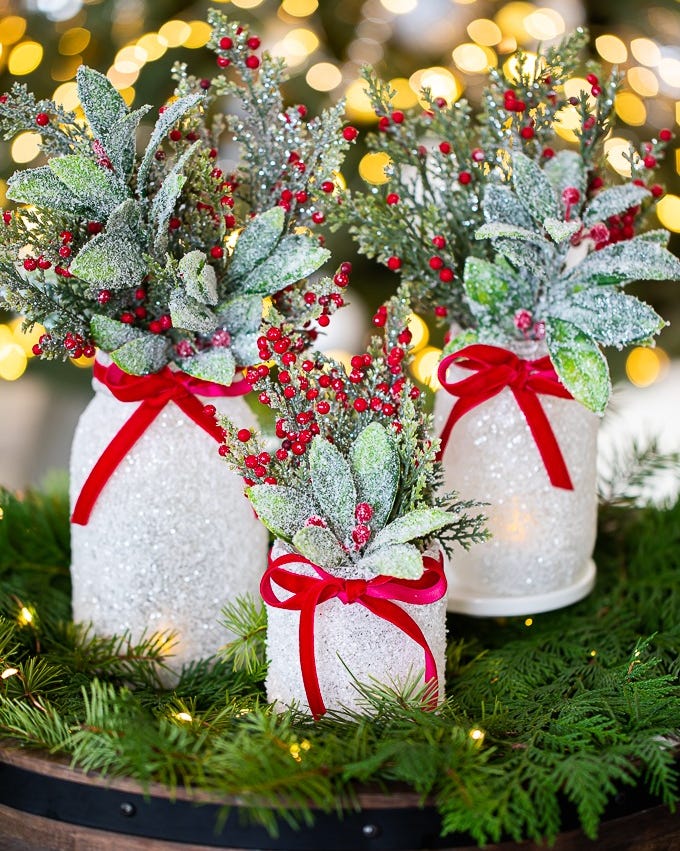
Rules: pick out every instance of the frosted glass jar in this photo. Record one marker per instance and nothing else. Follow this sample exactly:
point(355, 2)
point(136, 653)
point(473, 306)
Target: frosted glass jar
point(171, 538)
point(351, 644)
point(539, 557)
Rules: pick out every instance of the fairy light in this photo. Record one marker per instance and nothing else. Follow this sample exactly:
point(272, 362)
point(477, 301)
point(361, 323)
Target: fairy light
point(617, 149)
point(473, 58)
point(199, 35)
point(476, 735)
point(323, 77)
point(13, 361)
point(669, 71)
point(511, 17)
point(593, 653)
point(66, 96)
point(25, 617)
point(8, 672)
point(544, 24)
point(154, 45)
point(183, 716)
point(528, 622)
point(357, 102)
point(420, 333)
point(26, 339)
point(404, 97)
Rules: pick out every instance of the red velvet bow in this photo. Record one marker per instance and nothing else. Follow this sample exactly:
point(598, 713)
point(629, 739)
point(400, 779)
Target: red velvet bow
point(154, 392)
point(494, 369)
point(377, 595)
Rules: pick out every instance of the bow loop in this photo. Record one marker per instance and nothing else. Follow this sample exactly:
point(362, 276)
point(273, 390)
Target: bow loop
point(377, 595)
point(494, 369)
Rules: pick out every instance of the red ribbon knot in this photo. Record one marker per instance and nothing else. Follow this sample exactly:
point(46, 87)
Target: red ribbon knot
point(377, 595)
point(495, 369)
point(154, 392)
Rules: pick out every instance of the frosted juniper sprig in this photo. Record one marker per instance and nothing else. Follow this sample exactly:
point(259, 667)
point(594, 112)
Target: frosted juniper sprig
point(161, 257)
point(352, 483)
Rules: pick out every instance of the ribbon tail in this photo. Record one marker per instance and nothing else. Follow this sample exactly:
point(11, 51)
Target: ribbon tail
point(194, 409)
point(111, 457)
point(310, 676)
point(545, 439)
point(389, 611)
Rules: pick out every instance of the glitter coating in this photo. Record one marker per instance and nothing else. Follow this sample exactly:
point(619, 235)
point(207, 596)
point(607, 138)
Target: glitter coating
point(351, 644)
point(543, 536)
point(171, 538)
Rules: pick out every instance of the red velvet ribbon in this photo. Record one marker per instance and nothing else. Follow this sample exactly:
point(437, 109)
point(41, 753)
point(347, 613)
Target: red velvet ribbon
point(377, 595)
point(494, 369)
point(154, 392)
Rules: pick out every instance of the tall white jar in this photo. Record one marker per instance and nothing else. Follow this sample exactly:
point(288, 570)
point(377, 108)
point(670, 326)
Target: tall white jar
point(539, 555)
point(351, 645)
point(171, 538)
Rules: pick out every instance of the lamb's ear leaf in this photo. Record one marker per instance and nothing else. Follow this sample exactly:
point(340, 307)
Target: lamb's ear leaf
point(375, 465)
point(283, 510)
point(170, 116)
point(109, 334)
point(533, 189)
point(332, 486)
point(401, 560)
point(256, 241)
point(216, 365)
point(41, 187)
point(143, 355)
point(319, 545)
point(410, 527)
point(102, 103)
point(579, 363)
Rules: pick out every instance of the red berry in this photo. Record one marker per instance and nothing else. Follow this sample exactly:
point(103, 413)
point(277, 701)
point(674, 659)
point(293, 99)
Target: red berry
point(217, 252)
point(95, 227)
point(37, 351)
point(318, 217)
point(361, 534)
point(244, 435)
point(360, 405)
point(127, 317)
point(527, 132)
point(104, 296)
point(596, 91)
point(43, 263)
point(435, 262)
point(446, 275)
point(253, 42)
point(223, 62)
point(209, 410)
point(226, 43)
point(155, 326)
point(323, 407)
point(42, 119)
point(657, 190)
point(440, 310)
point(327, 186)
point(66, 236)
point(392, 198)
point(64, 251)
point(397, 116)
point(350, 133)
point(394, 263)
point(252, 62)
point(298, 448)
point(301, 197)
point(464, 178)
point(439, 242)
point(223, 450)
point(281, 454)
point(30, 264)
point(478, 155)
point(649, 161)
point(665, 135)
point(405, 337)
point(175, 135)
point(548, 153)
point(445, 148)
point(571, 195)
point(592, 79)
point(7, 217)
point(383, 123)
point(341, 280)
point(323, 320)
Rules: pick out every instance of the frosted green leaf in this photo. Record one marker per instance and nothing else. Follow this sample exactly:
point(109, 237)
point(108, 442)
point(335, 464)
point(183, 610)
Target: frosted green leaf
point(120, 141)
point(216, 365)
point(113, 258)
point(320, 546)
point(198, 277)
point(294, 258)
point(333, 486)
point(190, 314)
point(244, 348)
point(110, 334)
point(256, 242)
point(579, 363)
point(610, 317)
point(466, 338)
point(403, 561)
point(632, 260)
point(497, 230)
point(243, 313)
point(93, 185)
point(564, 170)
point(612, 202)
point(533, 189)
point(526, 257)
point(169, 117)
point(559, 230)
point(165, 199)
point(143, 355)
point(41, 187)
point(659, 235)
point(283, 510)
point(375, 465)
point(101, 102)
point(484, 282)
point(416, 524)
point(500, 204)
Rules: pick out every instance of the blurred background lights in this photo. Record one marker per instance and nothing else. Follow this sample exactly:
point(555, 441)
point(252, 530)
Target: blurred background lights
point(25, 147)
point(154, 45)
point(357, 102)
point(25, 57)
point(296, 46)
point(544, 25)
point(66, 96)
point(616, 149)
point(12, 29)
point(473, 58)
point(13, 361)
point(485, 32)
point(424, 366)
point(174, 32)
point(372, 168)
point(669, 71)
point(645, 51)
point(511, 17)
point(645, 365)
point(441, 83)
point(246, 4)
point(420, 333)
point(668, 212)
point(643, 81)
point(74, 40)
point(630, 108)
point(324, 76)
point(611, 49)
point(199, 34)
point(404, 97)
point(399, 7)
point(300, 8)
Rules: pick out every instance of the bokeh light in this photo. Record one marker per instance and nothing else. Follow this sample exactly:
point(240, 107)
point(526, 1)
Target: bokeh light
point(300, 8)
point(611, 49)
point(25, 58)
point(324, 76)
point(645, 366)
point(372, 168)
point(26, 147)
point(668, 212)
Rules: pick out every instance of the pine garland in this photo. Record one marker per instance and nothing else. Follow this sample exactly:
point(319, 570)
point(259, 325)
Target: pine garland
point(572, 707)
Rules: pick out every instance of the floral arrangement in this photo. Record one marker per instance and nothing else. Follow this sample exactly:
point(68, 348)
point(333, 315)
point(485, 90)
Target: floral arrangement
point(352, 484)
point(508, 237)
point(160, 257)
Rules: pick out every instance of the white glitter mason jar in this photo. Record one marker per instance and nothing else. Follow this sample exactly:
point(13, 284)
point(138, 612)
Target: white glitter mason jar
point(171, 537)
point(539, 557)
point(351, 645)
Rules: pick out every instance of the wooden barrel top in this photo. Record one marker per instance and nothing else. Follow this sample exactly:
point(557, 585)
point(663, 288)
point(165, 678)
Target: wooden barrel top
point(45, 805)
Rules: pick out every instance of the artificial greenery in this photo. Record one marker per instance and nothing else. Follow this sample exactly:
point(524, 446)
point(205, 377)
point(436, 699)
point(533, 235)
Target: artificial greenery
point(494, 222)
point(353, 483)
point(572, 707)
point(160, 256)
